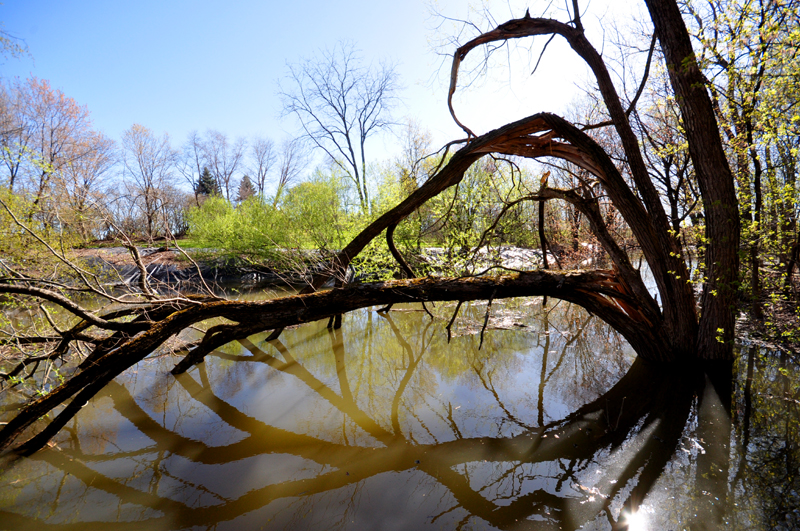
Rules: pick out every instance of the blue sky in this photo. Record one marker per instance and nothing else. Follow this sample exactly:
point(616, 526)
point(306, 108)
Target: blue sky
point(178, 65)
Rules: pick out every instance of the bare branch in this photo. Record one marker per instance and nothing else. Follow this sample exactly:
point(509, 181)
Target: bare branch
point(67, 304)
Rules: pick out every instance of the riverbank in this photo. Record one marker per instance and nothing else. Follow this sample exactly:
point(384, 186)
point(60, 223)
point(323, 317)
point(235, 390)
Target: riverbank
point(188, 269)
point(185, 269)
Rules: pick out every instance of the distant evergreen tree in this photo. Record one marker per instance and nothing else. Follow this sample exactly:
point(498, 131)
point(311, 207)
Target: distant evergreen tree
point(246, 189)
point(207, 185)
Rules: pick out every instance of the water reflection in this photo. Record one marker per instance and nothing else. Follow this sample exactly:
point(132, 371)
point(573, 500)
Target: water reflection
point(384, 425)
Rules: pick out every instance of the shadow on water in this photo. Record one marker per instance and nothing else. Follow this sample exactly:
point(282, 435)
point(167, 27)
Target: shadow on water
point(383, 425)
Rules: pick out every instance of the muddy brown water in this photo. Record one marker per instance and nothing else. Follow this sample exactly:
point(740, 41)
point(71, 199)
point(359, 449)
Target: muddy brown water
point(383, 424)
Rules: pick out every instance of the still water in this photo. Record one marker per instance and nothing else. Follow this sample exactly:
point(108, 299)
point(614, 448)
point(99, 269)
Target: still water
point(384, 424)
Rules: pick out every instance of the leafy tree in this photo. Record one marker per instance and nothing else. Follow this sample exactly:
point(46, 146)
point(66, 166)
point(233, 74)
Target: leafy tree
point(51, 153)
point(750, 51)
point(314, 210)
point(18, 248)
point(253, 229)
point(45, 125)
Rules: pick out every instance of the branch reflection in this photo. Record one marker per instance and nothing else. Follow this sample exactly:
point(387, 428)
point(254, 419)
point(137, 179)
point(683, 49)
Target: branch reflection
point(382, 419)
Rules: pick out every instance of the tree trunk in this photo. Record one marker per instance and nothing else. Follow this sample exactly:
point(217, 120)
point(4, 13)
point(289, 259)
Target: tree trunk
point(715, 340)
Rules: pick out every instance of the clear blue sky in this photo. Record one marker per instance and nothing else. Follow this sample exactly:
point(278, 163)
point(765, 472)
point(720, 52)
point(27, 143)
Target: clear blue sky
point(179, 65)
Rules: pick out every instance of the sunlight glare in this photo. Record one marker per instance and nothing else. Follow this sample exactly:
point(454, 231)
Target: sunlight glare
point(636, 521)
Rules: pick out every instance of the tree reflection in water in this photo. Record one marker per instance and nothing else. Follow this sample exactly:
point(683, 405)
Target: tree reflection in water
point(383, 425)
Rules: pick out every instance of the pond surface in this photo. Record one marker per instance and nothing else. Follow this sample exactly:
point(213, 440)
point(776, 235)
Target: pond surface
point(383, 424)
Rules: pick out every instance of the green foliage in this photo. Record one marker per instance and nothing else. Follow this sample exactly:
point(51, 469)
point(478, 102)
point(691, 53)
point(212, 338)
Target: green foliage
point(13, 240)
point(17, 247)
point(315, 215)
point(252, 228)
point(310, 216)
point(750, 52)
point(491, 207)
point(485, 209)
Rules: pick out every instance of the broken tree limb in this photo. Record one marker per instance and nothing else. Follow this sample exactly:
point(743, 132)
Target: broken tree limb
point(486, 317)
point(449, 326)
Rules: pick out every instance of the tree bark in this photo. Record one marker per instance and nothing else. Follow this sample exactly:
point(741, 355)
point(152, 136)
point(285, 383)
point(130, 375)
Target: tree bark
point(718, 300)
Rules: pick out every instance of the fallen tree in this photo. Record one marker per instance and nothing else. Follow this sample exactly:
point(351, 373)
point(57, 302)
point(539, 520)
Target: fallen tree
point(677, 329)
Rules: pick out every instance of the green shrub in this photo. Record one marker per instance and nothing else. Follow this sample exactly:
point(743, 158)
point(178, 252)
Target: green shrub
point(252, 228)
point(315, 216)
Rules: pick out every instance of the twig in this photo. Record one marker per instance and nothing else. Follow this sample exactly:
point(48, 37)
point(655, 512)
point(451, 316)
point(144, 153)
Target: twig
point(195, 264)
point(452, 320)
point(486, 318)
point(424, 307)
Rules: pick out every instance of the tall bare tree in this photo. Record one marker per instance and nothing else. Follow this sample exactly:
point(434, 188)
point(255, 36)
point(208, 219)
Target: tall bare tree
point(224, 157)
point(262, 161)
point(212, 150)
point(191, 162)
point(14, 133)
point(340, 104)
point(292, 159)
point(149, 163)
point(80, 185)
